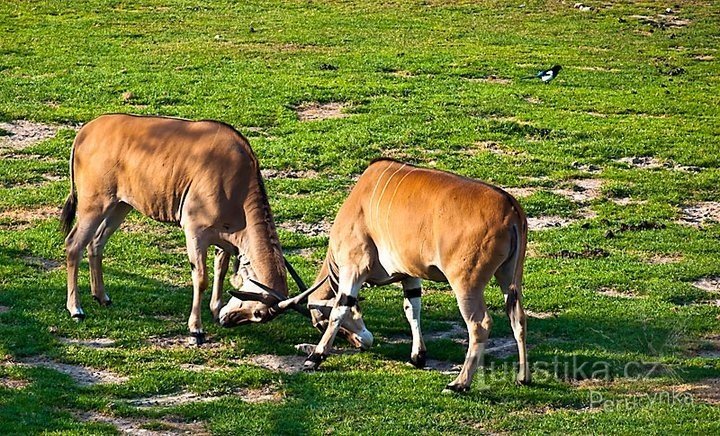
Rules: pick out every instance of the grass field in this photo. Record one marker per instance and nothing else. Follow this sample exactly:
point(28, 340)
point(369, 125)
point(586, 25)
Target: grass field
point(616, 163)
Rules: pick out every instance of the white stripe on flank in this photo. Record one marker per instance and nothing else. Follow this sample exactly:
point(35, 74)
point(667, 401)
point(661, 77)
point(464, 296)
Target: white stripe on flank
point(372, 197)
point(387, 216)
point(382, 193)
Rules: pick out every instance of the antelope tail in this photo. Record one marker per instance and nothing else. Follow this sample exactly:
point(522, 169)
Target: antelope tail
point(515, 289)
point(67, 216)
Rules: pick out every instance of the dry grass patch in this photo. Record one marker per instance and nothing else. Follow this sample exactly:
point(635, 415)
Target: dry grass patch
point(314, 111)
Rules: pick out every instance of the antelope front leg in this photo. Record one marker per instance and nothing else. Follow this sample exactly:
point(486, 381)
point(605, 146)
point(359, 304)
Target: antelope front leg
point(222, 261)
point(346, 298)
point(412, 290)
point(197, 254)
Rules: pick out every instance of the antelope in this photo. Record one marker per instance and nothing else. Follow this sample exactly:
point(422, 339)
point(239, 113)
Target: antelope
point(202, 175)
point(402, 223)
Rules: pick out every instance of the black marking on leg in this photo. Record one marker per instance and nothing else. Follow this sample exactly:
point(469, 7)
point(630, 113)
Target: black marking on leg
point(347, 300)
point(192, 266)
point(105, 303)
point(313, 361)
point(412, 293)
point(78, 316)
point(420, 360)
point(197, 338)
point(457, 388)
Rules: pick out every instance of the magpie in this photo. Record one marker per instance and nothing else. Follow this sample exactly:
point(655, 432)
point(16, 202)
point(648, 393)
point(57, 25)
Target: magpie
point(547, 75)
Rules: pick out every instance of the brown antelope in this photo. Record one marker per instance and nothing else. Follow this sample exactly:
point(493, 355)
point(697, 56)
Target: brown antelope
point(402, 224)
point(202, 175)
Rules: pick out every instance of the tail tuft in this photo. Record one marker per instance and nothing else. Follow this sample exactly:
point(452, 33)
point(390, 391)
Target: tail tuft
point(67, 216)
point(512, 298)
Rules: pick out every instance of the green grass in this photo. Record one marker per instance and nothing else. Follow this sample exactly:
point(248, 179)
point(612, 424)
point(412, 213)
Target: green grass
point(408, 73)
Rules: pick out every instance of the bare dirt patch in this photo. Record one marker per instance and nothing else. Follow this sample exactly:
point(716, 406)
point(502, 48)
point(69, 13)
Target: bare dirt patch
point(42, 263)
point(182, 341)
point(532, 100)
point(548, 222)
point(582, 190)
point(192, 367)
point(612, 292)
point(314, 111)
point(701, 213)
point(491, 79)
point(4, 309)
point(24, 218)
point(662, 21)
point(664, 259)
point(89, 343)
point(492, 147)
point(627, 201)
point(704, 57)
point(709, 284)
point(83, 375)
point(261, 395)
point(540, 315)
point(442, 366)
point(21, 134)
point(521, 192)
point(284, 364)
point(497, 347)
point(652, 163)
point(585, 253)
point(270, 173)
point(402, 73)
point(321, 228)
point(12, 383)
point(148, 427)
point(706, 391)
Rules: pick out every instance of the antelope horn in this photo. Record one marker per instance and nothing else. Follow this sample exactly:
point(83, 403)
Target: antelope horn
point(292, 302)
point(295, 275)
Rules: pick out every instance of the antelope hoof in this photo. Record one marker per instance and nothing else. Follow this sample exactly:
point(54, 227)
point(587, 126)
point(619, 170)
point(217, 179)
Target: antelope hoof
point(78, 315)
point(313, 361)
point(196, 338)
point(523, 381)
point(455, 389)
point(419, 360)
point(105, 303)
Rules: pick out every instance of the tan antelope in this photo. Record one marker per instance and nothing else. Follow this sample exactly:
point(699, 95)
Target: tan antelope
point(402, 224)
point(202, 175)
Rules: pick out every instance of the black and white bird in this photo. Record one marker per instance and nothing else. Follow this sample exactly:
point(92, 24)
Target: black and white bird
point(547, 76)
